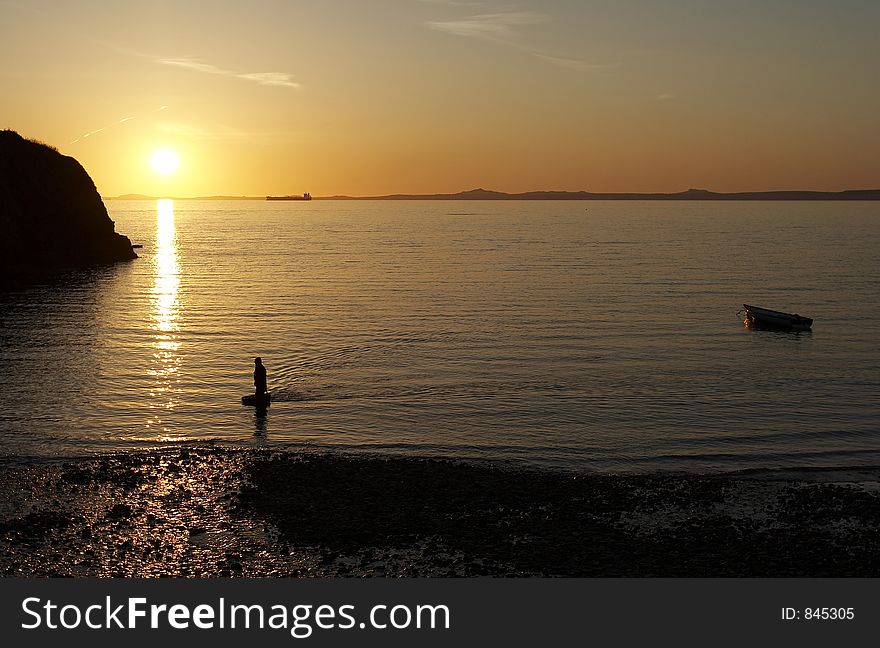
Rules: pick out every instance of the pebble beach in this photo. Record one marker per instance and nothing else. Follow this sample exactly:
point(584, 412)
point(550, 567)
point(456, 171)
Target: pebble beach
point(215, 511)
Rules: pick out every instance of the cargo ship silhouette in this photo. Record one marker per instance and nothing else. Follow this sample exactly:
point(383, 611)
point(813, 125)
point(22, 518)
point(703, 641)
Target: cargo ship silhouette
point(305, 196)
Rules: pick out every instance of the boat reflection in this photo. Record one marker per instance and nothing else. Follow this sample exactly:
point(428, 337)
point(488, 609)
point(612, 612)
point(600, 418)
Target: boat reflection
point(164, 317)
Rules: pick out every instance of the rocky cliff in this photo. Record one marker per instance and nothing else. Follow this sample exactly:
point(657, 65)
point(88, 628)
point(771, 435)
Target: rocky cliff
point(51, 215)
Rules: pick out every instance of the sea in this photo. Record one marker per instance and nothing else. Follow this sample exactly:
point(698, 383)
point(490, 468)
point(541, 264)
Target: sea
point(578, 335)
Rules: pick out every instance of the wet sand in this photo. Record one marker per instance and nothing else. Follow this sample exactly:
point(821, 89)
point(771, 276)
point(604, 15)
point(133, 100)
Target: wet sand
point(217, 511)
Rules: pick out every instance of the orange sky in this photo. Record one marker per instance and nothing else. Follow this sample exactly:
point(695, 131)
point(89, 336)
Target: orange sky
point(422, 96)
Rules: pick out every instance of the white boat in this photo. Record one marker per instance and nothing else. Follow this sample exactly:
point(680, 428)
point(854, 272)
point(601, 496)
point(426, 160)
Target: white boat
point(764, 318)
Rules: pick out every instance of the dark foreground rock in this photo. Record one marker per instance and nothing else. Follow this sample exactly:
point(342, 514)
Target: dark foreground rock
point(51, 215)
point(209, 511)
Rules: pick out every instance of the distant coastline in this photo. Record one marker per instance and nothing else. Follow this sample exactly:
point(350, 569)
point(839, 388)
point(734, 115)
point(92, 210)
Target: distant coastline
point(487, 194)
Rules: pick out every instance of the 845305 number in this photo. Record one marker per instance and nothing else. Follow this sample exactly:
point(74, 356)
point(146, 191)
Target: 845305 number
point(826, 613)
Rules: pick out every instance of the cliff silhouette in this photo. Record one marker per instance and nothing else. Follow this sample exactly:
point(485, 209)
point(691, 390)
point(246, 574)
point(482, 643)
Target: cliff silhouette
point(51, 215)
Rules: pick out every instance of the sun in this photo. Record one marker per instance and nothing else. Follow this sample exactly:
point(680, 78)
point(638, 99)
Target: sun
point(164, 161)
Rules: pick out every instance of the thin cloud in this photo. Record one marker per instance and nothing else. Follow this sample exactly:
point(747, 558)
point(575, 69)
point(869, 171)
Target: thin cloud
point(665, 96)
point(195, 66)
point(279, 79)
point(573, 64)
point(85, 135)
point(504, 28)
point(116, 123)
point(495, 26)
point(270, 79)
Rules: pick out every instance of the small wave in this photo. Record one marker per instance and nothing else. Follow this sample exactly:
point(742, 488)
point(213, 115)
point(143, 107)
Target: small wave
point(291, 395)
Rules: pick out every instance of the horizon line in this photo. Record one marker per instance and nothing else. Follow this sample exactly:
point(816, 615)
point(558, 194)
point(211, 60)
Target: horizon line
point(544, 194)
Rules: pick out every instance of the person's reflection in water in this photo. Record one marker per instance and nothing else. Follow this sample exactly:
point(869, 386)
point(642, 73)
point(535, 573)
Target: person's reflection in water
point(261, 418)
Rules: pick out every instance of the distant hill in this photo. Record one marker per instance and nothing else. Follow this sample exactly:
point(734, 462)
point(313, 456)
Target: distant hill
point(488, 194)
point(51, 215)
point(690, 194)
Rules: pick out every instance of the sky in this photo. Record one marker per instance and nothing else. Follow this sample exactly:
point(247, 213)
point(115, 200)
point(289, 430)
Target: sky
point(369, 97)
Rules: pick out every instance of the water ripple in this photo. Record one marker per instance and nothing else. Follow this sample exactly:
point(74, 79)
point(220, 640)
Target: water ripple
point(605, 340)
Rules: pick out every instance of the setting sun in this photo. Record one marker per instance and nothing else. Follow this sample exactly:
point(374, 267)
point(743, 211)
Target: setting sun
point(164, 161)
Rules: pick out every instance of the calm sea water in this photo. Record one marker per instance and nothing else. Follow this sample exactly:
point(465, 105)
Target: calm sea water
point(599, 335)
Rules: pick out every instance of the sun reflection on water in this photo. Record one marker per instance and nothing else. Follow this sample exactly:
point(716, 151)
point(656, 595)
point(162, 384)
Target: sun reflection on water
point(164, 316)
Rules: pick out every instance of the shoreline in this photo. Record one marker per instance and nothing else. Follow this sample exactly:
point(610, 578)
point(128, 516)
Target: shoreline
point(797, 472)
point(205, 510)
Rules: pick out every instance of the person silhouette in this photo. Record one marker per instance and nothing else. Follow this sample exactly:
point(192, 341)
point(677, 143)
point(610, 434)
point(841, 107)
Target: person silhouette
point(259, 377)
